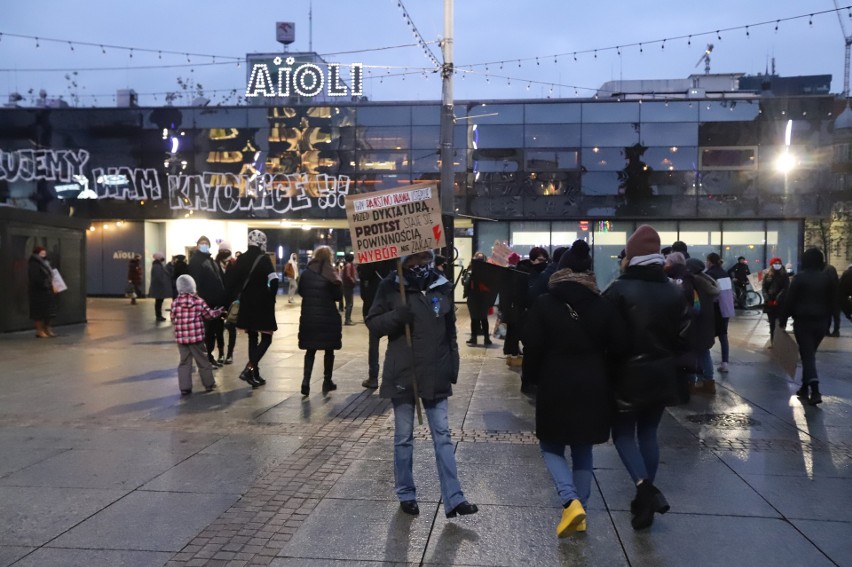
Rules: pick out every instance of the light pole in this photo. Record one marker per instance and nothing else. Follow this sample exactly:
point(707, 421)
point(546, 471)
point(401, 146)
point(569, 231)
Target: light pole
point(786, 162)
point(447, 122)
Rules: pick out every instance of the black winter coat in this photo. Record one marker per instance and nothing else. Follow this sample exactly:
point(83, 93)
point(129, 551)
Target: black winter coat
point(179, 268)
point(209, 280)
point(371, 275)
point(812, 295)
point(433, 336)
point(775, 284)
point(567, 358)
point(844, 292)
point(657, 320)
point(320, 327)
point(257, 301)
point(42, 298)
point(480, 297)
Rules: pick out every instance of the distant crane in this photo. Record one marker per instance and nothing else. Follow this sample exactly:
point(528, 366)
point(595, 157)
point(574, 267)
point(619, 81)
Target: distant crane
point(706, 58)
point(848, 39)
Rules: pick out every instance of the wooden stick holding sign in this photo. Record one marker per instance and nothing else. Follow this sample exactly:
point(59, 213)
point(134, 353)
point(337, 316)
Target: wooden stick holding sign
point(410, 345)
point(392, 224)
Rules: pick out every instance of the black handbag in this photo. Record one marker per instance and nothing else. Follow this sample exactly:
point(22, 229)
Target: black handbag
point(234, 308)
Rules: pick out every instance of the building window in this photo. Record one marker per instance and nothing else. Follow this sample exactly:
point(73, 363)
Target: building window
point(728, 158)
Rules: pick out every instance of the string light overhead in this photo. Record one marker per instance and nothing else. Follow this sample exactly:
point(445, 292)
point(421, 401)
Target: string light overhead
point(407, 17)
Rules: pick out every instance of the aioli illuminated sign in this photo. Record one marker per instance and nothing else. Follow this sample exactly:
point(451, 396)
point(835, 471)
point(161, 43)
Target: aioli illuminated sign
point(307, 79)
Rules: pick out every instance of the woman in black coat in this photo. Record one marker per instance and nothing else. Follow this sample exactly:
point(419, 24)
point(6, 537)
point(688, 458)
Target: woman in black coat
point(480, 299)
point(568, 334)
point(42, 299)
point(810, 301)
point(320, 327)
point(776, 280)
point(254, 269)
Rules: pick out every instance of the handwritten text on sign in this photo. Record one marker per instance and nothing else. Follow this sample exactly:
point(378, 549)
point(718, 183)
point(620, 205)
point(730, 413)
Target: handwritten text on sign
point(393, 223)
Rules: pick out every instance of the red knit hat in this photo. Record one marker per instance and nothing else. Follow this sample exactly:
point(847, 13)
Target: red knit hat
point(38, 249)
point(775, 261)
point(643, 242)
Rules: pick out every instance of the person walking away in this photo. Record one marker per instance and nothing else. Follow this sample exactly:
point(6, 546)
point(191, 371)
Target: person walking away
point(179, 268)
point(370, 276)
point(644, 380)
point(569, 334)
point(513, 304)
point(134, 278)
point(739, 274)
point(433, 351)
point(291, 270)
point(319, 322)
point(835, 312)
point(161, 285)
point(226, 261)
point(844, 292)
point(480, 298)
point(705, 323)
point(211, 288)
point(349, 278)
point(42, 298)
point(775, 284)
point(810, 302)
point(723, 305)
point(188, 314)
point(255, 284)
point(223, 256)
point(690, 372)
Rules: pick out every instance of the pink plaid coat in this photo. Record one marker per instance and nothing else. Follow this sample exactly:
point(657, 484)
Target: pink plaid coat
point(188, 314)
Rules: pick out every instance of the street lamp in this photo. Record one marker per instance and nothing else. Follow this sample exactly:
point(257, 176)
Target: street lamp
point(786, 162)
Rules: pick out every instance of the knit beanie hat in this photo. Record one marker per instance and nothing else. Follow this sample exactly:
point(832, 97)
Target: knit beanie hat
point(225, 245)
point(695, 266)
point(812, 259)
point(643, 242)
point(775, 260)
point(577, 258)
point(185, 284)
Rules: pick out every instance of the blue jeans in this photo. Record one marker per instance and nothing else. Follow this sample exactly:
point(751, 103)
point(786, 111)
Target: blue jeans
point(574, 482)
point(403, 451)
point(706, 361)
point(640, 458)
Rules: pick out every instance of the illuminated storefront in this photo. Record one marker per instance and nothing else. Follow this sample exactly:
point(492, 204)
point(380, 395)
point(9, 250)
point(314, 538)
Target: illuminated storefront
point(530, 172)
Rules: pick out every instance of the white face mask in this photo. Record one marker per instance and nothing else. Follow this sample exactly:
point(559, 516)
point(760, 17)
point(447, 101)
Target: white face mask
point(776, 266)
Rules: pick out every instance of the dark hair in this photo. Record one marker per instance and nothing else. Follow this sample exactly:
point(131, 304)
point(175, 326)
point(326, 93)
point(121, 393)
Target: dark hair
point(679, 246)
point(714, 259)
point(539, 252)
point(440, 260)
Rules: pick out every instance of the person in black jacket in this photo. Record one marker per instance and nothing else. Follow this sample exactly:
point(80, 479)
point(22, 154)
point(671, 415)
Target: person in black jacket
point(42, 298)
point(844, 292)
point(370, 276)
point(775, 284)
point(254, 270)
point(429, 312)
point(480, 299)
point(831, 271)
point(210, 283)
point(645, 380)
point(810, 301)
point(160, 286)
point(320, 327)
point(179, 268)
point(568, 335)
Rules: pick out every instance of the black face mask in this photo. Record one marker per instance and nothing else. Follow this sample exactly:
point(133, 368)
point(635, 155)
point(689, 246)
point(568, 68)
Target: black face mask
point(418, 275)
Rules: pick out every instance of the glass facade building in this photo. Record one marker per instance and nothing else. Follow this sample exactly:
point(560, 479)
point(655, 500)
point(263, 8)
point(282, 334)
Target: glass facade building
point(528, 172)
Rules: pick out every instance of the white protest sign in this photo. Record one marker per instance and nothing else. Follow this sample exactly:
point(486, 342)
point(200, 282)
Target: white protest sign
point(395, 222)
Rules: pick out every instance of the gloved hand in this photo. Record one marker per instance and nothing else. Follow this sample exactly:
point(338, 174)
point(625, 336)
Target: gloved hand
point(404, 313)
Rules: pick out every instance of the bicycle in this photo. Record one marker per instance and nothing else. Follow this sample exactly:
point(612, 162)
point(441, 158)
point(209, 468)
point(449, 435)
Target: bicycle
point(745, 298)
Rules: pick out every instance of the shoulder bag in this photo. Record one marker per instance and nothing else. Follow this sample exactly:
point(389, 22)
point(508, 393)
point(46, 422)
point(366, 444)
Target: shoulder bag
point(234, 309)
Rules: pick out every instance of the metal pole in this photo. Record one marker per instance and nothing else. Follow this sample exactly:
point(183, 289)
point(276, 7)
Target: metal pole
point(447, 122)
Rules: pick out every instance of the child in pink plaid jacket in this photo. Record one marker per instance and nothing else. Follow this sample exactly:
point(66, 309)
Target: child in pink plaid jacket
point(188, 314)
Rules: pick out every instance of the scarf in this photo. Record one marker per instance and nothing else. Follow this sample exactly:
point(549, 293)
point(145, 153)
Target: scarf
point(325, 270)
point(586, 279)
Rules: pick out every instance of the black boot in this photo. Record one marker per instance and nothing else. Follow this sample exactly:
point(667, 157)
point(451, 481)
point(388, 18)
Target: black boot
point(648, 501)
point(247, 375)
point(816, 397)
point(257, 378)
point(328, 385)
point(802, 392)
point(471, 341)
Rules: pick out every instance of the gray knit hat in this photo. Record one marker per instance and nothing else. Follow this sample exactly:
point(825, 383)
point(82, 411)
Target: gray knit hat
point(185, 284)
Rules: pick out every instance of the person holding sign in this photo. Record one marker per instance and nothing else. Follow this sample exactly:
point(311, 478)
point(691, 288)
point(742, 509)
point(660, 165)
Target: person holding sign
point(423, 300)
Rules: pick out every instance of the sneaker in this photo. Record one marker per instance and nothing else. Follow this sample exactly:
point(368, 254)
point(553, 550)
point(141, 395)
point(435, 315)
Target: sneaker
point(229, 359)
point(723, 367)
point(572, 516)
point(185, 392)
point(471, 341)
point(221, 360)
point(210, 388)
point(488, 342)
point(372, 384)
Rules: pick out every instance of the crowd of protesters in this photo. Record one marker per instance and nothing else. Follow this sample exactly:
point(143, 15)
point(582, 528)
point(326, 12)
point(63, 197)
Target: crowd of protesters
point(602, 363)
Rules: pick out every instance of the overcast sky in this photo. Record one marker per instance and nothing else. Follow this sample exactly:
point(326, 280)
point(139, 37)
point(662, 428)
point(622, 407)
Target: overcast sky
point(485, 30)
